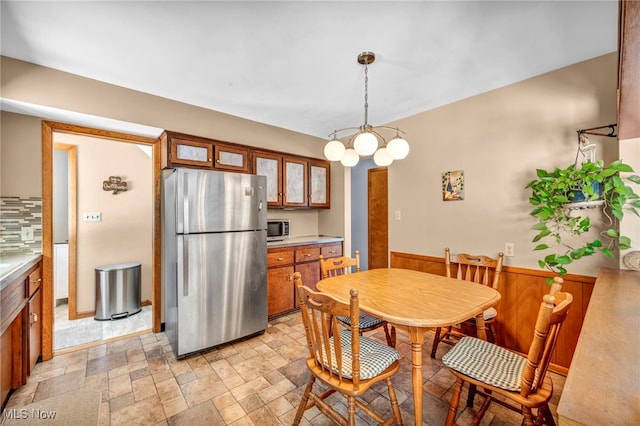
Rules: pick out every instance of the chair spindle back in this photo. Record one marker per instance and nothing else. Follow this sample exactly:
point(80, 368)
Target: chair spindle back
point(479, 269)
point(335, 266)
point(553, 311)
point(319, 313)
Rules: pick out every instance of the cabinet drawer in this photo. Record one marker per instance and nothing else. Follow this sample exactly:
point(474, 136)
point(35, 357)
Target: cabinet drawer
point(307, 254)
point(279, 258)
point(331, 251)
point(34, 280)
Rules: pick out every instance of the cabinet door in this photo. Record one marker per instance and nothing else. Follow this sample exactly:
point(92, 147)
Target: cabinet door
point(35, 328)
point(231, 158)
point(280, 290)
point(270, 165)
point(310, 274)
point(332, 250)
point(295, 180)
point(319, 184)
point(191, 153)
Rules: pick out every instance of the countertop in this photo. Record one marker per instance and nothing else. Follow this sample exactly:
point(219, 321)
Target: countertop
point(12, 266)
point(603, 384)
point(308, 239)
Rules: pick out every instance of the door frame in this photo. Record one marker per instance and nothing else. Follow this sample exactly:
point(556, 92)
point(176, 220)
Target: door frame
point(48, 128)
point(72, 171)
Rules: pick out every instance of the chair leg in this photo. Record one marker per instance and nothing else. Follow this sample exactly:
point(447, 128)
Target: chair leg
point(471, 395)
point(394, 403)
point(305, 400)
point(528, 416)
point(492, 333)
point(453, 405)
point(387, 335)
point(545, 416)
point(436, 340)
point(352, 410)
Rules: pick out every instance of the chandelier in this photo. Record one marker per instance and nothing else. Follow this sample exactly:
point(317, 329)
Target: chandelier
point(368, 139)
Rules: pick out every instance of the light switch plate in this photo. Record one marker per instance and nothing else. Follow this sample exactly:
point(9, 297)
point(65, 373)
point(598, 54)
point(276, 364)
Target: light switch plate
point(509, 249)
point(26, 233)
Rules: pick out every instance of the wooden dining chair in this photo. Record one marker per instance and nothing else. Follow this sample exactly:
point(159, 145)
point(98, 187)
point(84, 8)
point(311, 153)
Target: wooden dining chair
point(335, 266)
point(503, 374)
point(479, 269)
point(343, 361)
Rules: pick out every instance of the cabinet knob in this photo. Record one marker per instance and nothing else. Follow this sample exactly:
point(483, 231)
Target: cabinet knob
point(37, 280)
point(332, 251)
point(308, 254)
point(34, 318)
point(279, 259)
point(218, 161)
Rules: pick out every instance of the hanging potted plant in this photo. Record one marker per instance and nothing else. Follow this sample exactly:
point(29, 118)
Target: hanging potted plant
point(559, 199)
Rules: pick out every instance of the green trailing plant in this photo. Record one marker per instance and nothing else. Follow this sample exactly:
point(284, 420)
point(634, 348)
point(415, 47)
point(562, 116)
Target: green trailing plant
point(551, 197)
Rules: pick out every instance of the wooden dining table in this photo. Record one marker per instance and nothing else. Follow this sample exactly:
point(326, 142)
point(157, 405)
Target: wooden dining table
point(414, 301)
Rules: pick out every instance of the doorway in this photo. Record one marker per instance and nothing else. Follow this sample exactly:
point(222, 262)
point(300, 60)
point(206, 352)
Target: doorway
point(369, 215)
point(51, 131)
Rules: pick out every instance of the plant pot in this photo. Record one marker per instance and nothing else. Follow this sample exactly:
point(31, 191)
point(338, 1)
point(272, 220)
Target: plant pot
point(578, 195)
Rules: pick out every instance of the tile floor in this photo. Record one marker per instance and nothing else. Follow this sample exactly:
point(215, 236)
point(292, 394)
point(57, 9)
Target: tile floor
point(68, 333)
point(258, 381)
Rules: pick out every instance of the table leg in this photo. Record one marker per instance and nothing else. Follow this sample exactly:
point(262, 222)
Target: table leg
point(481, 328)
point(416, 335)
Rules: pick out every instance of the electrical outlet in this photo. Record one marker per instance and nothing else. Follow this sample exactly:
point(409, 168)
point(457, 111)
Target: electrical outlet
point(26, 233)
point(92, 217)
point(509, 249)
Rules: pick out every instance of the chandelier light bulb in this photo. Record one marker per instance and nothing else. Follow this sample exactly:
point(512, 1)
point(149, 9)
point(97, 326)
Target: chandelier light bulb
point(350, 158)
point(334, 150)
point(382, 157)
point(365, 143)
point(398, 148)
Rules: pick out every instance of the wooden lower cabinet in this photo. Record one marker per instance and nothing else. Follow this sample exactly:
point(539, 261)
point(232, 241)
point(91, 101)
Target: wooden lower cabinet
point(282, 262)
point(34, 324)
point(20, 330)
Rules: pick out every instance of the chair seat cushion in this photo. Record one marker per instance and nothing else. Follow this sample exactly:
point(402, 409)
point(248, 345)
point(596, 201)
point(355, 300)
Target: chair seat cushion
point(366, 321)
point(489, 314)
point(374, 357)
point(486, 362)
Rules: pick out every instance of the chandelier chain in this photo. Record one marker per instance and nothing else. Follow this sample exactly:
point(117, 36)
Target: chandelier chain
point(366, 94)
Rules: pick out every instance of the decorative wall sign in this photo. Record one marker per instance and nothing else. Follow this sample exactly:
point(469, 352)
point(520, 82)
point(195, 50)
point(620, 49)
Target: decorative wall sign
point(114, 184)
point(453, 185)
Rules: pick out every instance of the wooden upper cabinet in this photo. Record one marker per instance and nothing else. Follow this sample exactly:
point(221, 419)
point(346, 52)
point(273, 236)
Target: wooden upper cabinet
point(319, 183)
point(191, 153)
point(270, 165)
point(296, 182)
point(292, 181)
point(231, 157)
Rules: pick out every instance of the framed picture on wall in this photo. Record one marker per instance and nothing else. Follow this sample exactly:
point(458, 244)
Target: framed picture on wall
point(453, 185)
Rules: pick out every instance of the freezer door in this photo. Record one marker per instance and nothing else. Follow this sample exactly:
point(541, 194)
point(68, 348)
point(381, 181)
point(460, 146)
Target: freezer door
point(210, 201)
point(221, 288)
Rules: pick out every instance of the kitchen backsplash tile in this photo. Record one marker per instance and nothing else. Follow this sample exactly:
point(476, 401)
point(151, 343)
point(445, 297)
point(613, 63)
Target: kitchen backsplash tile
point(16, 213)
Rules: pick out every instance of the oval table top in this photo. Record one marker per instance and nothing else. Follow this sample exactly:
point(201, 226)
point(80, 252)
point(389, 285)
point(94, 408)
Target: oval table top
point(412, 298)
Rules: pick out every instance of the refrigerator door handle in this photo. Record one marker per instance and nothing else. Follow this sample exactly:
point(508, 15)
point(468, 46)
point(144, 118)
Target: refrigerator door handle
point(183, 267)
point(260, 206)
point(185, 201)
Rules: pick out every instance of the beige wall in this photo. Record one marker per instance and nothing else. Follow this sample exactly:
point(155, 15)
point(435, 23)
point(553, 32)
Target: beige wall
point(20, 155)
point(125, 233)
point(25, 82)
point(499, 139)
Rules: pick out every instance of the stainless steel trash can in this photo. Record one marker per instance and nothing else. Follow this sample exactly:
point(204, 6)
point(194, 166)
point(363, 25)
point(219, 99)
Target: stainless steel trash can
point(117, 291)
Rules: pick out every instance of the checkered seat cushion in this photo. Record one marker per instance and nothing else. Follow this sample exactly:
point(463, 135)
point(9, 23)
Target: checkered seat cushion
point(366, 321)
point(374, 357)
point(486, 362)
point(489, 314)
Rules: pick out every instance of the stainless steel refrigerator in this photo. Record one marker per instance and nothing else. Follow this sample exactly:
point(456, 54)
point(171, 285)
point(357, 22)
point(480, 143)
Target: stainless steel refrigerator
point(214, 257)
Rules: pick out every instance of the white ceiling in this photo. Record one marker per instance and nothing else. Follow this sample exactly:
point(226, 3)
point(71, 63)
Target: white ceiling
point(293, 64)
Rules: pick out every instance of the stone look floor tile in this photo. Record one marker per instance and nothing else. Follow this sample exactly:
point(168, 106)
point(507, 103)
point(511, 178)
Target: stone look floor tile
point(258, 381)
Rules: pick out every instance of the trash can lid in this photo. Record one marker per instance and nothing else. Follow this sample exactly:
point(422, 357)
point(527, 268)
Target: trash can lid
point(117, 266)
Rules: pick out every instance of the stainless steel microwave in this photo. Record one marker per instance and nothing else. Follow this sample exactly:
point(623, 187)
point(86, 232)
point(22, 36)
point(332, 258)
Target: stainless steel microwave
point(277, 229)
